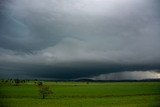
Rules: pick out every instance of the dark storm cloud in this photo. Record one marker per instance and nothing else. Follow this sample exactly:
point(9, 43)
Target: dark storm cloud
point(73, 39)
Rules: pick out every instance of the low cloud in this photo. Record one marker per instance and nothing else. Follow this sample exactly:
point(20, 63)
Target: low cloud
point(129, 75)
point(74, 50)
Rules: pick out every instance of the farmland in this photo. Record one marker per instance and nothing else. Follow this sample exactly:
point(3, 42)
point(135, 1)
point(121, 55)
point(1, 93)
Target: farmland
point(82, 94)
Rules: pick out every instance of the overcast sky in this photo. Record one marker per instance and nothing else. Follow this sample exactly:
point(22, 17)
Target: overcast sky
point(69, 39)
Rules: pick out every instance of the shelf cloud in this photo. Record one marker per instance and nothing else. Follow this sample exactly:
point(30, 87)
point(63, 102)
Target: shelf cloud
point(73, 39)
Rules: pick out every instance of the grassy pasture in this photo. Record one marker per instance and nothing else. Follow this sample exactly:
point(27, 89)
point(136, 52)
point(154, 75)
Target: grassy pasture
point(80, 94)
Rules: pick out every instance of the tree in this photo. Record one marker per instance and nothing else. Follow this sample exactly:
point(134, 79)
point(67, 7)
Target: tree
point(44, 91)
point(40, 83)
point(17, 82)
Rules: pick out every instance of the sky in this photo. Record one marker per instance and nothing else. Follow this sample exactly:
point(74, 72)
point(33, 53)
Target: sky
point(71, 39)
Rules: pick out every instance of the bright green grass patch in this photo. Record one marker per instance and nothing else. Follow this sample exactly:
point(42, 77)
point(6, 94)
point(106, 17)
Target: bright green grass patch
point(73, 94)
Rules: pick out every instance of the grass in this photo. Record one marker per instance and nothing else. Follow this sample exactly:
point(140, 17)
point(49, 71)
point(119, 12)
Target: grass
point(79, 94)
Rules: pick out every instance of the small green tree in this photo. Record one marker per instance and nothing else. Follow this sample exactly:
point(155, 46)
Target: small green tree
point(45, 91)
point(40, 83)
point(17, 82)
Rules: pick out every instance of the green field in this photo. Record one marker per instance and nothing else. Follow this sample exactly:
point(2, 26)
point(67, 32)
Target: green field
point(81, 94)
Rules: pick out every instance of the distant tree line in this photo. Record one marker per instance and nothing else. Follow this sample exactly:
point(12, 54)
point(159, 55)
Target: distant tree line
point(14, 82)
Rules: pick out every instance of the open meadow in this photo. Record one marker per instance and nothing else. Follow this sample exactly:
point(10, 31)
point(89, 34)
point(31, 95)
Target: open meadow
point(82, 94)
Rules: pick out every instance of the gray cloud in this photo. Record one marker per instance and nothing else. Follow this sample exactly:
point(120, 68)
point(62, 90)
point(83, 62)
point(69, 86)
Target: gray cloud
point(74, 34)
point(128, 75)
